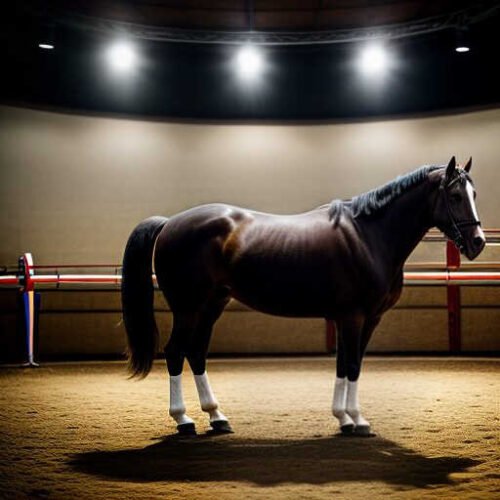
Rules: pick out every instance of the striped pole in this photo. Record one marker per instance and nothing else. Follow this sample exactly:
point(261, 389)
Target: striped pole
point(29, 307)
point(29, 319)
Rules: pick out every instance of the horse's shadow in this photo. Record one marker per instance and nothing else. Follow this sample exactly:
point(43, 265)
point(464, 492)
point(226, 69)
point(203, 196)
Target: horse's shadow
point(272, 461)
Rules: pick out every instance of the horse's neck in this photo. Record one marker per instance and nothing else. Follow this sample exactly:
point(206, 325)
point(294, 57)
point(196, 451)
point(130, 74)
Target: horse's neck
point(404, 224)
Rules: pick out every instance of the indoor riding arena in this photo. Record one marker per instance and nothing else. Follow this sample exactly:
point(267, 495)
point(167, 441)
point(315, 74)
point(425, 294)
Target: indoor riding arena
point(250, 249)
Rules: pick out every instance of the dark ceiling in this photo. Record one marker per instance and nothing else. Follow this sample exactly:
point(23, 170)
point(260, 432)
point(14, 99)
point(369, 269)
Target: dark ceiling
point(248, 15)
point(195, 80)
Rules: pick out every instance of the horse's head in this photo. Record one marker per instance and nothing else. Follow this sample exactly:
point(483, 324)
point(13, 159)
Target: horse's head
point(455, 211)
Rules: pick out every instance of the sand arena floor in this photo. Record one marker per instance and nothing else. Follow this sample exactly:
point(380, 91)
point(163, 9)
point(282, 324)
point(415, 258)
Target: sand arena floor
point(73, 431)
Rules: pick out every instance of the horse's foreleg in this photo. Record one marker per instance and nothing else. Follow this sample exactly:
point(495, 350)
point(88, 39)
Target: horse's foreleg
point(352, 399)
point(351, 332)
point(340, 392)
point(339, 407)
point(362, 426)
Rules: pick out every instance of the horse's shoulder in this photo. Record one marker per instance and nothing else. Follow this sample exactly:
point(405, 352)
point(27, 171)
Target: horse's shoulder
point(390, 292)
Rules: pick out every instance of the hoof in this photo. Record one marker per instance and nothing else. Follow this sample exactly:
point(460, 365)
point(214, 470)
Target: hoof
point(186, 429)
point(363, 431)
point(347, 430)
point(221, 427)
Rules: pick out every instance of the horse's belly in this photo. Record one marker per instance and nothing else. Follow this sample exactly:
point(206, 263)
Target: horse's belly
point(291, 294)
point(302, 309)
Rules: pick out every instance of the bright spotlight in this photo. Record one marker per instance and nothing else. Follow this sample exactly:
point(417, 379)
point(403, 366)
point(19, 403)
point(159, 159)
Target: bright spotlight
point(122, 56)
point(374, 60)
point(462, 39)
point(249, 61)
point(46, 46)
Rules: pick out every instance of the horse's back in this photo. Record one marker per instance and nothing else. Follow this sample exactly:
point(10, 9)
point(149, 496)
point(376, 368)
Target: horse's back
point(227, 224)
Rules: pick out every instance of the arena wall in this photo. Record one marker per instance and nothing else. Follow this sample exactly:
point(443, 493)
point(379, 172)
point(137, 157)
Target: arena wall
point(72, 187)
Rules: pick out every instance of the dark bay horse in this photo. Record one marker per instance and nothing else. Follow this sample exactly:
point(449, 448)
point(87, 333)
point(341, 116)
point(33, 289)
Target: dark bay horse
point(342, 261)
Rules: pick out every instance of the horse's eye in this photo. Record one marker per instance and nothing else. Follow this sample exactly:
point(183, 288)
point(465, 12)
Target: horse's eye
point(456, 197)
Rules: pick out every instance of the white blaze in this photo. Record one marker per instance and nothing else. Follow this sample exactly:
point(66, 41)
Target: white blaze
point(470, 194)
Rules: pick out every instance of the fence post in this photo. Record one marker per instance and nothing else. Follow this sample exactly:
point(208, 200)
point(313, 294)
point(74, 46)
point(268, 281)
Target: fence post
point(453, 300)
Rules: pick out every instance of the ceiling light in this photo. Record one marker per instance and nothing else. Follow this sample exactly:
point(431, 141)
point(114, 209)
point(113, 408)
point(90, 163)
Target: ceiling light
point(249, 62)
point(46, 46)
point(122, 56)
point(462, 40)
point(374, 60)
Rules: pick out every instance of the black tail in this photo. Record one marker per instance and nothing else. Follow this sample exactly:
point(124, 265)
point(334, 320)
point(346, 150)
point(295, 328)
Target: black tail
point(138, 296)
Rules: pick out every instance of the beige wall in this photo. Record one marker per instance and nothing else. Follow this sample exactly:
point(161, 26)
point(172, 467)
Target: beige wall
point(72, 187)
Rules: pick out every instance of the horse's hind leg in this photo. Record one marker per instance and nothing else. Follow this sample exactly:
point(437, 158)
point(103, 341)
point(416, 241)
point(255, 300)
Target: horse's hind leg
point(175, 351)
point(197, 357)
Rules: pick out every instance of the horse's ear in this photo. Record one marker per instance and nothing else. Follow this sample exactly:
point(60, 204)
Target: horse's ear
point(469, 165)
point(450, 169)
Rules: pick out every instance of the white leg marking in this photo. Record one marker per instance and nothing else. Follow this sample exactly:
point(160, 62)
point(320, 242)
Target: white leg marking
point(208, 401)
point(352, 405)
point(177, 408)
point(339, 402)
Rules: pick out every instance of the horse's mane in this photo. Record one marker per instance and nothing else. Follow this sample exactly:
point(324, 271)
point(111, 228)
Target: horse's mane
point(372, 201)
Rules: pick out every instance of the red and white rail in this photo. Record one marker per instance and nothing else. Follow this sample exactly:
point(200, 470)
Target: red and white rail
point(411, 278)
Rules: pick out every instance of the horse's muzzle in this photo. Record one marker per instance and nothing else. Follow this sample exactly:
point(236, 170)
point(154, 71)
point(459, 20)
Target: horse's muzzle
point(474, 244)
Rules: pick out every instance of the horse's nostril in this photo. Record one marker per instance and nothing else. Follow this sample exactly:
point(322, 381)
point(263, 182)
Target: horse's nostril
point(478, 241)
